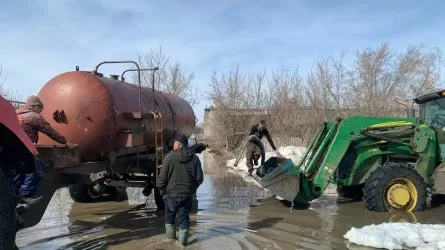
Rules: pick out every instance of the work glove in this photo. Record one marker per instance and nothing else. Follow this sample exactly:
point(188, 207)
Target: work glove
point(199, 147)
point(278, 154)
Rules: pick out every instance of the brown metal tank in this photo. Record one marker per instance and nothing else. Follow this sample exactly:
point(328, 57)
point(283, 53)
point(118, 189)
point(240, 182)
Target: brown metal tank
point(89, 110)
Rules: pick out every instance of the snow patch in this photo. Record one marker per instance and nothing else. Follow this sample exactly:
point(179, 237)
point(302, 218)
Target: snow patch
point(399, 236)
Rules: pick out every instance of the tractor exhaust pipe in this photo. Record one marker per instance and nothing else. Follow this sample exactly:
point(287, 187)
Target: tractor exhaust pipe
point(410, 111)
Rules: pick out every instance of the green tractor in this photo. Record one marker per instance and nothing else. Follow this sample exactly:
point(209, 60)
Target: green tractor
point(392, 164)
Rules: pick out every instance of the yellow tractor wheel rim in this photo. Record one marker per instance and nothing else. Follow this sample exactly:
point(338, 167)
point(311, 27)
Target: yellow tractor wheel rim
point(401, 195)
point(400, 216)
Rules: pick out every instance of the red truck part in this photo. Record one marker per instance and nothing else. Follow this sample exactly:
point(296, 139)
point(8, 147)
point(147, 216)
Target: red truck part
point(16, 150)
point(8, 118)
point(93, 111)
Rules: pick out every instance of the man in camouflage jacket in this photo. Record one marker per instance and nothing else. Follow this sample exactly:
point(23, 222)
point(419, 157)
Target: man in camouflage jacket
point(32, 123)
point(255, 148)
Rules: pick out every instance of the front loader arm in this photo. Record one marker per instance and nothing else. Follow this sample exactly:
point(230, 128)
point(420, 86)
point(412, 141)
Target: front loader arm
point(318, 166)
point(353, 128)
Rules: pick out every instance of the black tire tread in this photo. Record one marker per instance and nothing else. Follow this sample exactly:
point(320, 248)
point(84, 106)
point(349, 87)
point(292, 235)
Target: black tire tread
point(79, 193)
point(373, 191)
point(8, 219)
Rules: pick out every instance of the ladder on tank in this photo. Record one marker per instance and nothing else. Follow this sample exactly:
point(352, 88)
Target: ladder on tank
point(159, 142)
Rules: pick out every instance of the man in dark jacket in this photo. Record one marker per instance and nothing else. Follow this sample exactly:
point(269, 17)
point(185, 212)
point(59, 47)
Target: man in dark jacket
point(33, 122)
point(255, 148)
point(180, 176)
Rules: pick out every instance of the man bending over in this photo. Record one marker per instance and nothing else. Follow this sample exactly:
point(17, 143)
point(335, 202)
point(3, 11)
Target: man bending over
point(255, 148)
point(32, 122)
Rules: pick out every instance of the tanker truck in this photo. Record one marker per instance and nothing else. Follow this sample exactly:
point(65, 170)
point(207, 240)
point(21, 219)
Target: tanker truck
point(122, 130)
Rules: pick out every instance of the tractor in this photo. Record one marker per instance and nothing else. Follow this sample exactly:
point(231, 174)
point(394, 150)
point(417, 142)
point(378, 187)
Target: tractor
point(390, 163)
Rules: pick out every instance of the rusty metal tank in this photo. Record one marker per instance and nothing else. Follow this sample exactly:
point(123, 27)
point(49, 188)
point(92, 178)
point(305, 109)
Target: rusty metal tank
point(91, 110)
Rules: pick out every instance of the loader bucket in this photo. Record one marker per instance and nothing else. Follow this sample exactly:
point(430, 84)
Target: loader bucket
point(280, 177)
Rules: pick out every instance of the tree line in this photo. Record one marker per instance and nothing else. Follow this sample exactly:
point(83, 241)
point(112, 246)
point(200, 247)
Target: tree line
point(373, 83)
point(7, 92)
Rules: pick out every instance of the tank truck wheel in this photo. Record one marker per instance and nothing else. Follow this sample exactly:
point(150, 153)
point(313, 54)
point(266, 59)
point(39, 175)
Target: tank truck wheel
point(158, 199)
point(85, 193)
point(395, 187)
point(8, 222)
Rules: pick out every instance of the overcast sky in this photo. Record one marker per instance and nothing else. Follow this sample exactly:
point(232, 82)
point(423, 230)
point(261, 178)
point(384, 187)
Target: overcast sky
point(42, 38)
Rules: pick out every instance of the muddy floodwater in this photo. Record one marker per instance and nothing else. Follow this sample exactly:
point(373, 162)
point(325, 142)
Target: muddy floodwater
point(229, 213)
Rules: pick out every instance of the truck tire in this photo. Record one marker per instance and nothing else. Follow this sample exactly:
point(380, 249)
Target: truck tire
point(395, 187)
point(8, 219)
point(84, 193)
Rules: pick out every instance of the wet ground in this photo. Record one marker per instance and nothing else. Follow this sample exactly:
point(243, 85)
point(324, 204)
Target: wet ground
point(230, 214)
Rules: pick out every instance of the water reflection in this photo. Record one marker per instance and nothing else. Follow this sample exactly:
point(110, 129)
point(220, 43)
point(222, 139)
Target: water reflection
point(55, 223)
point(228, 192)
point(229, 213)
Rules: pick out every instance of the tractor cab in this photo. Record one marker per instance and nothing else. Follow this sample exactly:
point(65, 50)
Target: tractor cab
point(432, 113)
point(432, 109)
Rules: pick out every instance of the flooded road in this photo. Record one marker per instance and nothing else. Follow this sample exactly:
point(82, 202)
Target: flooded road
point(229, 213)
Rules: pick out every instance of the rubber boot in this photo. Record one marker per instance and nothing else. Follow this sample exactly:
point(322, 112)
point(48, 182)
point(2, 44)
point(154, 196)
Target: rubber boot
point(249, 172)
point(183, 237)
point(19, 222)
point(170, 231)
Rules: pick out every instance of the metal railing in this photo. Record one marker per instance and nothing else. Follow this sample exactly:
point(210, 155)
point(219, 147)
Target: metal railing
point(17, 104)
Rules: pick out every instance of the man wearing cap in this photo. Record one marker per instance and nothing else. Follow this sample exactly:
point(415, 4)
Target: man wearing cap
point(255, 148)
point(32, 122)
point(180, 176)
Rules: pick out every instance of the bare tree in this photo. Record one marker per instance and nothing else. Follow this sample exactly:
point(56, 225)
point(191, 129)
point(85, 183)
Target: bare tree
point(296, 105)
point(286, 99)
point(241, 99)
point(427, 77)
point(227, 94)
point(2, 80)
point(381, 75)
point(326, 87)
point(9, 93)
point(227, 91)
point(170, 78)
